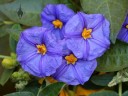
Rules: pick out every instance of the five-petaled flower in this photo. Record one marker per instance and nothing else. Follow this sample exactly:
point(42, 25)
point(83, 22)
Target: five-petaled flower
point(123, 33)
point(74, 70)
point(87, 35)
point(38, 53)
point(54, 17)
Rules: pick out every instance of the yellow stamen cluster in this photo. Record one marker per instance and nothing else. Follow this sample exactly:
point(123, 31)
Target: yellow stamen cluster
point(86, 33)
point(71, 59)
point(41, 49)
point(127, 26)
point(57, 23)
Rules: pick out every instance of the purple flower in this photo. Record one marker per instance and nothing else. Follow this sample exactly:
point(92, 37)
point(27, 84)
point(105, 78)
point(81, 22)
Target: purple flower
point(123, 33)
point(87, 35)
point(74, 71)
point(55, 17)
point(38, 53)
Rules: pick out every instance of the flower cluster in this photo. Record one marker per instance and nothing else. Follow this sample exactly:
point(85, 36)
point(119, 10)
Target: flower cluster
point(66, 46)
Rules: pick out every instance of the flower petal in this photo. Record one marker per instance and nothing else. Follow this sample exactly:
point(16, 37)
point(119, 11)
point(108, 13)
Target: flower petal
point(63, 12)
point(75, 74)
point(50, 64)
point(48, 13)
point(97, 49)
point(34, 35)
point(22, 50)
point(33, 66)
point(77, 46)
point(123, 35)
point(85, 69)
point(74, 27)
point(102, 33)
point(92, 20)
point(65, 73)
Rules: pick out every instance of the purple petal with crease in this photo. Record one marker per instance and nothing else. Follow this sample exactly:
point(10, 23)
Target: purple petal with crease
point(34, 34)
point(74, 27)
point(97, 49)
point(50, 64)
point(75, 74)
point(64, 13)
point(22, 50)
point(77, 46)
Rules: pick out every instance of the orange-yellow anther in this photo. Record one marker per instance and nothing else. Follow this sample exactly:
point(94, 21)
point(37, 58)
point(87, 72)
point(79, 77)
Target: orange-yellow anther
point(41, 49)
point(86, 33)
point(57, 23)
point(127, 26)
point(71, 59)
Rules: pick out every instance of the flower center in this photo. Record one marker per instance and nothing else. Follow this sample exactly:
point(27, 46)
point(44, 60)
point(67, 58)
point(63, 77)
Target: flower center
point(127, 26)
point(86, 33)
point(41, 49)
point(71, 59)
point(57, 23)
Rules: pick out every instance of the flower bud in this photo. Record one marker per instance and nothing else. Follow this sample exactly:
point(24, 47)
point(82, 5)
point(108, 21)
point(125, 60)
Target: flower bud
point(21, 84)
point(20, 75)
point(9, 63)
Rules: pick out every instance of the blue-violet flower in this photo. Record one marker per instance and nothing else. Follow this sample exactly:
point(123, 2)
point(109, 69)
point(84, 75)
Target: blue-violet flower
point(87, 35)
point(38, 53)
point(123, 33)
point(55, 17)
point(74, 71)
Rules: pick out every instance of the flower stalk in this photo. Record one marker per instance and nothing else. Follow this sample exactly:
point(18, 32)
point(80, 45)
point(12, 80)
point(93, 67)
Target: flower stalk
point(120, 89)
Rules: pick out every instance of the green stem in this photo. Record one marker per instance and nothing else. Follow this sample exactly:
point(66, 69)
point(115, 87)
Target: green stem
point(39, 90)
point(120, 89)
point(2, 56)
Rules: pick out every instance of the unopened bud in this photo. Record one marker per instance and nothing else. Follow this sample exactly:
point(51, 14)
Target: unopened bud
point(9, 63)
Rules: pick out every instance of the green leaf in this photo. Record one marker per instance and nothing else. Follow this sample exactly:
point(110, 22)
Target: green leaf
point(20, 94)
point(121, 76)
point(125, 93)
point(114, 10)
point(24, 12)
point(104, 93)
point(4, 30)
point(52, 89)
point(15, 31)
point(116, 58)
point(5, 76)
point(70, 3)
point(5, 1)
point(32, 87)
point(91, 86)
point(12, 44)
point(102, 80)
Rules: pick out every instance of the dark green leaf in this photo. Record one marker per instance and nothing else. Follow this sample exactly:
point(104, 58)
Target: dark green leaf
point(116, 58)
point(104, 93)
point(114, 10)
point(20, 94)
point(52, 89)
point(12, 44)
point(5, 1)
point(4, 30)
point(5, 76)
point(91, 86)
point(102, 80)
point(70, 3)
point(15, 31)
point(24, 12)
point(32, 87)
point(125, 93)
